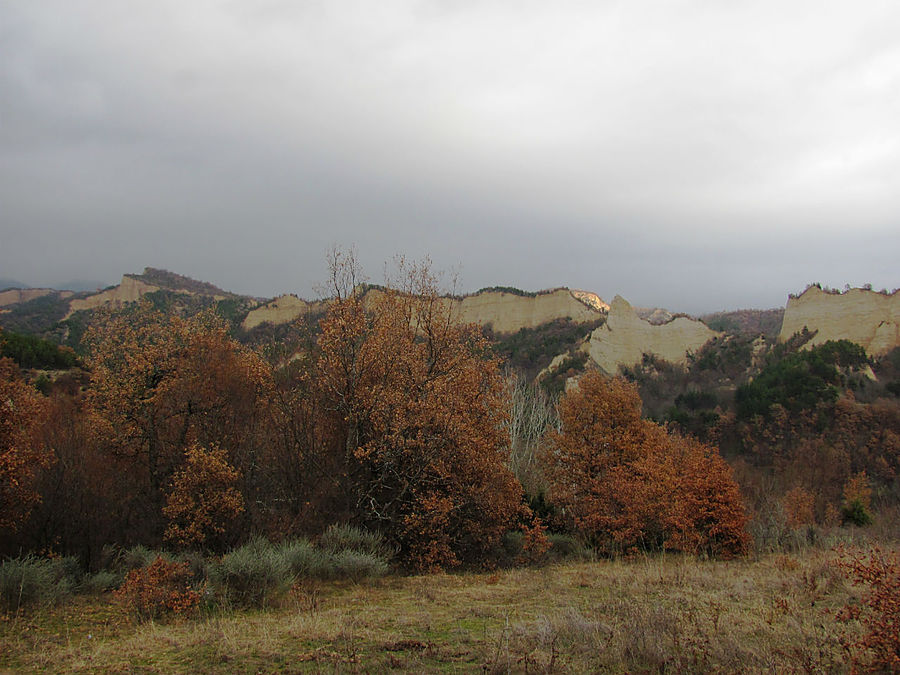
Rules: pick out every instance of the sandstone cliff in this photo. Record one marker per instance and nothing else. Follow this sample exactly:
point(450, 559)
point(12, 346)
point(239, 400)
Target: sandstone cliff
point(868, 318)
point(282, 309)
point(625, 338)
point(504, 312)
point(510, 312)
point(130, 290)
point(14, 296)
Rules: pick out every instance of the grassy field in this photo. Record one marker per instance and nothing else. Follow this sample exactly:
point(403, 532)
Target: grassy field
point(775, 613)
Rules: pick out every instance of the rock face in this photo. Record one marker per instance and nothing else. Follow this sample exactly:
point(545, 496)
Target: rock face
point(868, 318)
point(14, 296)
point(505, 312)
point(509, 312)
point(130, 290)
point(282, 309)
point(625, 338)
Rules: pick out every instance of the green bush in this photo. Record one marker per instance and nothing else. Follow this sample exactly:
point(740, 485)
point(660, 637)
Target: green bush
point(564, 546)
point(135, 558)
point(357, 565)
point(800, 380)
point(32, 580)
point(512, 542)
point(102, 581)
point(306, 561)
point(339, 538)
point(856, 513)
point(33, 352)
point(343, 556)
point(251, 576)
point(530, 350)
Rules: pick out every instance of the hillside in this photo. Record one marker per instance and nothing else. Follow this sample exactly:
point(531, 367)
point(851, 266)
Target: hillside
point(747, 321)
point(862, 316)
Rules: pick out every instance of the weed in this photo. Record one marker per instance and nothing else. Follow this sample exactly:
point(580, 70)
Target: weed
point(251, 576)
point(32, 580)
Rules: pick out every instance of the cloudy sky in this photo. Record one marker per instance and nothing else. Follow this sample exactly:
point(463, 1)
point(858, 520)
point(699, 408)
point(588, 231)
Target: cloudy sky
point(691, 154)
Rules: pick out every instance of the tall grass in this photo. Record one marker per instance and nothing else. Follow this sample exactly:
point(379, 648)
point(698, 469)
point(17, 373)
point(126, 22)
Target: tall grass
point(341, 537)
point(253, 575)
point(32, 581)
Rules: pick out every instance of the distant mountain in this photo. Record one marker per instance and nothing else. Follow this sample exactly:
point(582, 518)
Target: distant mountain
point(747, 321)
point(11, 283)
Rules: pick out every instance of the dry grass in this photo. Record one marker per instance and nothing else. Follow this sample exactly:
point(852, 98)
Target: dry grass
point(657, 614)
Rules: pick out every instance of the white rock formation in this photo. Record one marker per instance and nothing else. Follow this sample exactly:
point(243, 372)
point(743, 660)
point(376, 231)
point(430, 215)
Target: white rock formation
point(625, 338)
point(283, 309)
point(14, 296)
point(509, 312)
point(130, 290)
point(868, 318)
point(505, 312)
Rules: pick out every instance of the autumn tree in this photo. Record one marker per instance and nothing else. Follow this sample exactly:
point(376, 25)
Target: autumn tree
point(857, 500)
point(626, 483)
point(160, 384)
point(22, 455)
point(203, 499)
point(415, 411)
point(82, 493)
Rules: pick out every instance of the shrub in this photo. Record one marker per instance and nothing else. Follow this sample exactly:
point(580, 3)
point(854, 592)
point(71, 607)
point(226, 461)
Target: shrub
point(252, 575)
point(135, 558)
point(197, 564)
point(799, 507)
point(357, 565)
point(799, 380)
point(349, 538)
point(857, 500)
point(340, 560)
point(564, 546)
point(878, 650)
point(304, 560)
point(159, 590)
point(32, 580)
point(512, 544)
point(856, 513)
point(102, 581)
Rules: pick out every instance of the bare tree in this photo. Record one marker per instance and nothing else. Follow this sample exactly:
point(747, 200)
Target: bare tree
point(531, 414)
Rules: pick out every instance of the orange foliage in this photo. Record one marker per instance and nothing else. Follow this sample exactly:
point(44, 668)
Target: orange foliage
point(157, 590)
point(416, 416)
point(22, 411)
point(878, 650)
point(203, 498)
point(824, 447)
point(857, 489)
point(626, 483)
point(160, 384)
point(799, 507)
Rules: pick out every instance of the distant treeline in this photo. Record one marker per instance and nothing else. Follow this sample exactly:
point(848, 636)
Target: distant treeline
point(33, 352)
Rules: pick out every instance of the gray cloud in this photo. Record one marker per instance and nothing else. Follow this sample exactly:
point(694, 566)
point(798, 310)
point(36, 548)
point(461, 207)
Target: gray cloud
point(692, 154)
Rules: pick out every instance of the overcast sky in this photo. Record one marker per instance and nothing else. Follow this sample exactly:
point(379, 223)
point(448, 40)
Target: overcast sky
point(692, 154)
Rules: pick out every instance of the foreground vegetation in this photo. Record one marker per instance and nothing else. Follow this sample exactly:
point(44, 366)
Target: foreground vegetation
point(775, 613)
